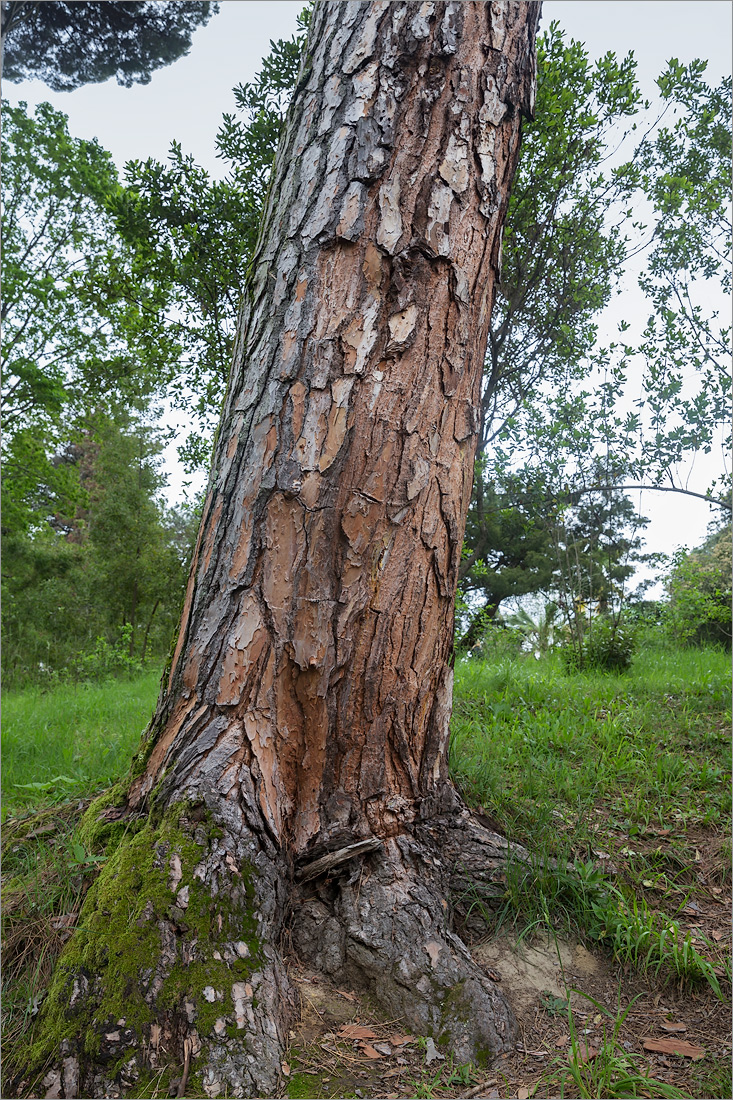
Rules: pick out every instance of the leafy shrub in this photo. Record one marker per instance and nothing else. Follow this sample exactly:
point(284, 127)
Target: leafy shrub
point(498, 643)
point(699, 588)
point(107, 661)
point(608, 646)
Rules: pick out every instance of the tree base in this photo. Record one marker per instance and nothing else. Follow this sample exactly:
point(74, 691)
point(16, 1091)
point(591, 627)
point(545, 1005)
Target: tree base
point(385, 928)
point(175, 980)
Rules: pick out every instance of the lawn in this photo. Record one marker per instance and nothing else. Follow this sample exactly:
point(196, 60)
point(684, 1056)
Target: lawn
point(617, 785)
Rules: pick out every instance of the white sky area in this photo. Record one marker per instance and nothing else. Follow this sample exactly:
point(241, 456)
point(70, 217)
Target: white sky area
point(185, 102)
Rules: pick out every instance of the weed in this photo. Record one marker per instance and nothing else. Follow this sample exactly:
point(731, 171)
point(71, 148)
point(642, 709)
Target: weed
point(607, 1069)
point(448, 1076)
point(649, 941)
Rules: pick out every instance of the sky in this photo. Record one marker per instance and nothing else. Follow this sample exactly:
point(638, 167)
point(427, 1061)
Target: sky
point(185, 102)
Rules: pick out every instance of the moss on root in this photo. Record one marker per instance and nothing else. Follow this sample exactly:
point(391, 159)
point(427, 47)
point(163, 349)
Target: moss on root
point(146, 947)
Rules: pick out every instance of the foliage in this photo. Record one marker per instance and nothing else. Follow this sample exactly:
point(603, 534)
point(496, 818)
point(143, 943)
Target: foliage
point(508, 549)
point(70, 44)
point(196, 235)
point(686, 176)
point(542, 536)
point(98, 588)
point(539, 629)
point(563, 241)
point(568, 233)
point(608, 646)
point(82, 323)
point(699, 590)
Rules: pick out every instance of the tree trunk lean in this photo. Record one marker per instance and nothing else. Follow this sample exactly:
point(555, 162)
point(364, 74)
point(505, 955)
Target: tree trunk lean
point(309, 695)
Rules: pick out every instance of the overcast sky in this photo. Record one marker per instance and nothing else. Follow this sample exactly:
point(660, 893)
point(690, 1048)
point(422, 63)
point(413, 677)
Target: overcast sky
point(186, 100)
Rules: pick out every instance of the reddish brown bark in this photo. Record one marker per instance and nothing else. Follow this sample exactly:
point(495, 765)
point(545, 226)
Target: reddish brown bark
point(309, 695)
point(316, 642)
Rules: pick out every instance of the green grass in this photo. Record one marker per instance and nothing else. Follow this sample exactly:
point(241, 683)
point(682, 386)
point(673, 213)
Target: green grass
point(589, 770)
point(586, 770)
point(72, 740)
point(613, 1071)
point(543, 748)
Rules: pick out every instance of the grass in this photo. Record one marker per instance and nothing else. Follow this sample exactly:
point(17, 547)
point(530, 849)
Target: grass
point(611, 1071)
point(652, 746)
point(591, 770)
point(69, 742)
point(618, 786)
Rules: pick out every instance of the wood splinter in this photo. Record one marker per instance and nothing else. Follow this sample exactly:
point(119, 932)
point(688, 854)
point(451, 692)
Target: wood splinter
point(326, 863)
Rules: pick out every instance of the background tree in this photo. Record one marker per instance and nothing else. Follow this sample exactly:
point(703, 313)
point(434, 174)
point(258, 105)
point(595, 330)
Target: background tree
point(70, 44)
point(699, 590)
point(110, 566)
point(82, 322)
point(308, 698)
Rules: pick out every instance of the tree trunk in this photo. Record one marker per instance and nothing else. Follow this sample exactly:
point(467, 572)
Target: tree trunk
point(307, 706)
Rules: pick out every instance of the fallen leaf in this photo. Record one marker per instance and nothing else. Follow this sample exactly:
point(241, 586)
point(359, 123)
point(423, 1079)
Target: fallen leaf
point(675, 1046)
point(401, 1040)
point(356, 1031)
point(383, 1048)
point(585, 1052)
point(40, 831)
point(348, 996)
point(65, 921)
point(370, 1051)
point(285, 1068)
point(667, 1026)
point(562, 1041)
point(523, 1093)
point(718, 936)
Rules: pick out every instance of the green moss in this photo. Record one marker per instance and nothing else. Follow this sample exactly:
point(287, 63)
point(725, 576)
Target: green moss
point(304, 1086)
point(117, 945)
point(103, 836)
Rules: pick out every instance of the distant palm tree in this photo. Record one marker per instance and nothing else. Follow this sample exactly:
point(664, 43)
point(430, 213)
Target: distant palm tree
point(540, 629)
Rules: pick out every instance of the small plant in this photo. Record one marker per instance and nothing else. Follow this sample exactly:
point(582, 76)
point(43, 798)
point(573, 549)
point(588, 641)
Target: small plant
point(647, 940)
point(609, 1070)
point(449, 1076)
point(107, 661)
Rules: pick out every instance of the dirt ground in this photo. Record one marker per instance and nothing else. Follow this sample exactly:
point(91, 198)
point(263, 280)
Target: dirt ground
point(343, 1048)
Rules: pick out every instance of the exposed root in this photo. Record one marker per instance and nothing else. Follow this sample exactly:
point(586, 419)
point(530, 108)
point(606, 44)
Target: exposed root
point(386, 927)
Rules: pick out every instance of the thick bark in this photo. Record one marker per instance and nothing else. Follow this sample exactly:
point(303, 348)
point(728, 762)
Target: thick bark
point(316, 640)
point(309, 695)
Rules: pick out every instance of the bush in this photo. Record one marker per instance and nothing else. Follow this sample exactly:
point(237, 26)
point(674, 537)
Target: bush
point(498, 643)
point(106, 662)
point(699, 587)
point(607, 647)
